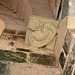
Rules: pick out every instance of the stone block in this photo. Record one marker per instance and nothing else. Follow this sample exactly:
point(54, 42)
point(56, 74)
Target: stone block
point(41, 33)
point(2, 26)
point(21, 7)
point(47, 60)
point(67, 60)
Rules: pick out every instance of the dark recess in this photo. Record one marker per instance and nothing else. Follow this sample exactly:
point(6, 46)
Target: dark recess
point(65, 8)
point(62, 60)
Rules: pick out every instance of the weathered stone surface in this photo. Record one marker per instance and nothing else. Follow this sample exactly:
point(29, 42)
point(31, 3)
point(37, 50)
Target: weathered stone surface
point(71, 22)
point(70, 67)
point(67, 43)
point(15, 63)
point(2, 26)
point(47, 60)
point(68, 8)
point(71, 7)
point(26, 8)
point(65, 8)
point(41, 32)
point(21, 7)
point(60, 37)
point(65, 49)
point(67, 57)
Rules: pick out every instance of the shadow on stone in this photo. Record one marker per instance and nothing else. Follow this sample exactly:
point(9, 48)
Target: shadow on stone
point(12, 56)
point(43, 59)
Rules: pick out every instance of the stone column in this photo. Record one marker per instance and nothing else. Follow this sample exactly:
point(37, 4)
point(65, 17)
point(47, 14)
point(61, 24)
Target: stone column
point(67, 56)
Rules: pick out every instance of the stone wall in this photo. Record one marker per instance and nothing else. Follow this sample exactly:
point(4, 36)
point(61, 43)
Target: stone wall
point(67, 53)
point(24, 10)
point(55, 7)
point(67, 56)
point(21, 7)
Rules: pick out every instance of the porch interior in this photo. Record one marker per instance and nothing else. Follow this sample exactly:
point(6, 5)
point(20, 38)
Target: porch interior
point(14, 58)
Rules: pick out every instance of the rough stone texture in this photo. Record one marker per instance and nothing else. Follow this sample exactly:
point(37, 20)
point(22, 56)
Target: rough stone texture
point(2, 26)
point(25, 8)
point(65, 8)
point(32, 69)
point(68, 8)
point(11, 20)
point(47, 60)
point(21, 7)
point(41, 8)
point(7, 57)
point(67, 42)
point(65, 49)
point(41, 32)
point(67, 56)
point(6, 44)
point(16, 63)
point(70, 63)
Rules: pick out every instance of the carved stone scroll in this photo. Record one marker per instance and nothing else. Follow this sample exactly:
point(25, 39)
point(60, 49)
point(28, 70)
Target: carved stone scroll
point(41, 32)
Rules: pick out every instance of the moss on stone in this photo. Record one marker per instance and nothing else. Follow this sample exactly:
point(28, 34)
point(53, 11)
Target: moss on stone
point(12, 56)
point(43, 59)
point(2, 68)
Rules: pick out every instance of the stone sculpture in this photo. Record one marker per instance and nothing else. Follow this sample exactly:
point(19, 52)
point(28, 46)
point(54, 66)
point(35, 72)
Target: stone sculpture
point(2, 26)
point(41, 32)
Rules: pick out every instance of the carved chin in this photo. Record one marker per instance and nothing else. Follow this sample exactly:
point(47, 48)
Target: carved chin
point(40, 39)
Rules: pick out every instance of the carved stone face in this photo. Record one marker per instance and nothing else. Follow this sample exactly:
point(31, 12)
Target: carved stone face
point(40, 32)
